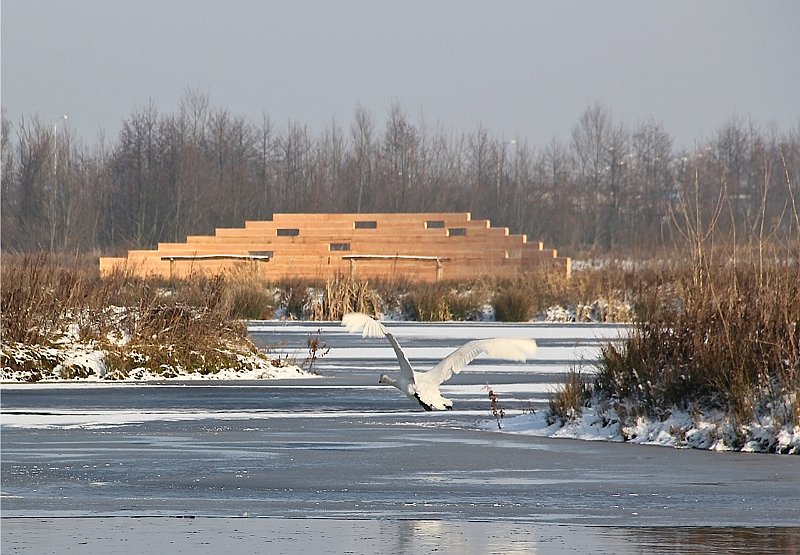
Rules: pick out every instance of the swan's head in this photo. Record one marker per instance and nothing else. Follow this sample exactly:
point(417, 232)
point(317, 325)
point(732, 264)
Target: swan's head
point(384, 379)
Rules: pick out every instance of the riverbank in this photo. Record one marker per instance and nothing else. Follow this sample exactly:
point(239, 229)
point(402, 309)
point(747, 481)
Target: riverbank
point(682, 429)
point(62, 322)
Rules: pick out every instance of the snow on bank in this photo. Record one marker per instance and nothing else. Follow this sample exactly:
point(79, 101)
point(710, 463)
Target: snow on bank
point(86, 362)
point(712, 431)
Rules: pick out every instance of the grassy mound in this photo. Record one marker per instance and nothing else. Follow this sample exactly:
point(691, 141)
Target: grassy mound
point(60, 320)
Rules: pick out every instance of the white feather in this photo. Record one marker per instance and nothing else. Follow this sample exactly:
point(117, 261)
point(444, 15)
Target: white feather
point(357, 322)
point(505, 348)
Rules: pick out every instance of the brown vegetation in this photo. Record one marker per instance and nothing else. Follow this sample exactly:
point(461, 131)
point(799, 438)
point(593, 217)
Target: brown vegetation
point(567, 402)
point(497, 409)
point(196, 323)
point(732, 343)
point(719, 330)
point(163, 327)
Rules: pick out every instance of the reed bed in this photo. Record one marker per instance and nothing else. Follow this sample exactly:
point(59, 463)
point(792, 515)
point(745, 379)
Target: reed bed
point(719, 341)
point(162, 326)
point(731, 343)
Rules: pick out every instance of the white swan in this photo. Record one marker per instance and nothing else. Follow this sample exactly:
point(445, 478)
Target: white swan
point(423, 387)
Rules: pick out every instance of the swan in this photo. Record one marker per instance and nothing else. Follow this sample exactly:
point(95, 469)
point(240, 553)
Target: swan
point(423, 387)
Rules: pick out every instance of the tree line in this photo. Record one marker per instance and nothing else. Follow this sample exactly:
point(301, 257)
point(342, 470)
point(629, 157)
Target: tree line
point(607, 188)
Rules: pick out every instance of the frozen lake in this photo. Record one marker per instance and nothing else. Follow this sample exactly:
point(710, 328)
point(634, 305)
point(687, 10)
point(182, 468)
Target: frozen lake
point(341, 463)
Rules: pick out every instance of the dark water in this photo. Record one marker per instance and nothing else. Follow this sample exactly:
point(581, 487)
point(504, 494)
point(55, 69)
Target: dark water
point(339, 458)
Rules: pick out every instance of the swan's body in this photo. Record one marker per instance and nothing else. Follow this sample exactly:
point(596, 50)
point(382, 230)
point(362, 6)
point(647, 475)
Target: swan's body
point(423, 387)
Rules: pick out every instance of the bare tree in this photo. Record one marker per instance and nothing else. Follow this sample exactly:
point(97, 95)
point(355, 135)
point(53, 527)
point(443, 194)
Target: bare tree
point(652, 183)
point(595, 143)
point(362, 133)
point(193, 167)
point(329, 188)
point(136, 203)
point(266, 168)
point(399, 159)
point(560, 200)
point(296, 151)
point(479, 173)
point(31, 184)
point(9, 196)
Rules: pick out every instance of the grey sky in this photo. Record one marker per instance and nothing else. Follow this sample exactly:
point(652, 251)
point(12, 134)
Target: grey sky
point(523, 69)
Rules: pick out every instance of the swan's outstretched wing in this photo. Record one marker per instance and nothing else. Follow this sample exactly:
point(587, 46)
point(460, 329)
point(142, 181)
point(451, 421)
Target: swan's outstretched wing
point(356, 322)
point(405, 366)
point(505, 348)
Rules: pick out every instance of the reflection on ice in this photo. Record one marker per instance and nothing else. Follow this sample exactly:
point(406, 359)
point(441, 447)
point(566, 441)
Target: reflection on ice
point(204, 536)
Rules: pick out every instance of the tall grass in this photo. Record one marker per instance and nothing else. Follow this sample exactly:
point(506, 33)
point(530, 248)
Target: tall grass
point(569, 399)
point(141, 323)
point(732, 344)
point(605, 294)
point(727, 348)
point(719, 330)
point(428, 302)
point(342, 295)
point(35, 298)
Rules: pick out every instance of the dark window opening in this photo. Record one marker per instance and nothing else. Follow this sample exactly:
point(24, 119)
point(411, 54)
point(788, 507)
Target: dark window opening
point(366, 224)
point(457, 231)
point(340, 246)
point(288, 232)
point(434, 224)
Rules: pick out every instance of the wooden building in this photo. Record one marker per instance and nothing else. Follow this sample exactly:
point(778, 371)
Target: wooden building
point(424, 247)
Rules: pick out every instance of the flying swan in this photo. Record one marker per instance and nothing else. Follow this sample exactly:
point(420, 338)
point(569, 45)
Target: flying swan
point(423, 387)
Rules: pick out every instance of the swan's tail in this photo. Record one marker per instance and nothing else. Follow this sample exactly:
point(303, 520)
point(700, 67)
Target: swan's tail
point(356, 322)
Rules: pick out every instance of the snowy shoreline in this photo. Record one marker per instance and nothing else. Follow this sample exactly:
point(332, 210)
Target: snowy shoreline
point(709, 431)
point(85, 363)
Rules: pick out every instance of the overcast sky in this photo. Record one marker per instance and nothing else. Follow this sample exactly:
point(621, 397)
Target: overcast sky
point(523, 69)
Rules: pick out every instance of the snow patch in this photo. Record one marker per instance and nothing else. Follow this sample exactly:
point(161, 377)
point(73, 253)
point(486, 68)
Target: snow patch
point(711, 430)
point(86, 362)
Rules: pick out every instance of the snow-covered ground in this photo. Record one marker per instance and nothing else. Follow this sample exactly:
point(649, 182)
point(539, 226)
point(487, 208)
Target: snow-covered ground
point(86, 362)
point(710, 430)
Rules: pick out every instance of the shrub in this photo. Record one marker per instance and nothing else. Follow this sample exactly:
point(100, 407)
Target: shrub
point(250, 300)
point(731, 343)
point(465, 302)
point(427, 302)
point(295, 298)
point(567, 402)
point(497, 409)
point(513, 304)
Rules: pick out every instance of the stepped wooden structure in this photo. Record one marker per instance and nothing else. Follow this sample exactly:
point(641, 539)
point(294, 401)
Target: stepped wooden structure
point(420, 247)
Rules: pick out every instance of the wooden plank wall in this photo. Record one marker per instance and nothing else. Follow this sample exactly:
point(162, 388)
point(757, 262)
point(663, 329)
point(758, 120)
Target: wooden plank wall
point(312, 246)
